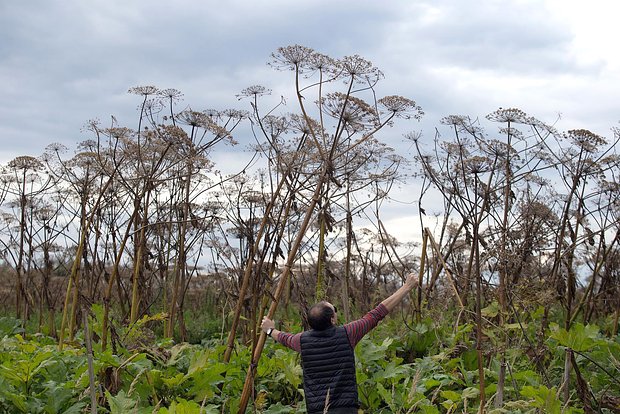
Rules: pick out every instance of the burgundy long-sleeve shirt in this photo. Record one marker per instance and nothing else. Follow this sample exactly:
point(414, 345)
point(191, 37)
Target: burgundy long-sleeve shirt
point(355, 330)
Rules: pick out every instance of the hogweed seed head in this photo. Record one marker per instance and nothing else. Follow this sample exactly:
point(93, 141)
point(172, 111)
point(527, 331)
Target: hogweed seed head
point(513, 115)
point(583, 138)
point(254, 91)
point(172, 94)
point(359, 68)
point(143, 90)
point(292, 57)
point(25, 162)
point(401, 107)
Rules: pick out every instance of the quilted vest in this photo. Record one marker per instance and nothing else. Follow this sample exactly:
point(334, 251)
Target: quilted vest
point(328, 365)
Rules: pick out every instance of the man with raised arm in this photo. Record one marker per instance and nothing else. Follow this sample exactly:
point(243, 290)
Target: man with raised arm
point(327, 352)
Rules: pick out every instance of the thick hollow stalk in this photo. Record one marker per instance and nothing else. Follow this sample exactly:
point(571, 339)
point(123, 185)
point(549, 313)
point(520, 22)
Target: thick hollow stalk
point(91, 370)
point(108, 292)
point(438, 269)
point(22, 231)
point(245, 281)
point(249, 379)
point(444, 266)
point(139, 263)
point(271, 270)
point(347, 265)
point(421, 275)
point(319, 293)
point(503, 271)
point(180, 267)
point(566, 376)
point(479, 321)
point(77, 261)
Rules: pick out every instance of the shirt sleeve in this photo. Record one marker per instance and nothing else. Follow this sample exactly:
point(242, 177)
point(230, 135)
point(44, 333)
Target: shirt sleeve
point(292, 341)
point(357, 329)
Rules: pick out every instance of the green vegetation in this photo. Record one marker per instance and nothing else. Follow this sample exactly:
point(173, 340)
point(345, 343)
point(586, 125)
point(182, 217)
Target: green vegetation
point(427, 367)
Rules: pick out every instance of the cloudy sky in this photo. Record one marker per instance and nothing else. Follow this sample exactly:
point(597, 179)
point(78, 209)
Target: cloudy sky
point(63, 62)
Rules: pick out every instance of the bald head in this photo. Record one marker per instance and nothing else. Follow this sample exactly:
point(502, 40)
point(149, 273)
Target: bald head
point(320, 316)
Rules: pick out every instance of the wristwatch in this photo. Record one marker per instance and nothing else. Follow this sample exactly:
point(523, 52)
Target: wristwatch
point(269, 331)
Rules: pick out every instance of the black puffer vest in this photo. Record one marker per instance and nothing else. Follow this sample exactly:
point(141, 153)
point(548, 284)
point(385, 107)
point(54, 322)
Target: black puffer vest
point(329, 364)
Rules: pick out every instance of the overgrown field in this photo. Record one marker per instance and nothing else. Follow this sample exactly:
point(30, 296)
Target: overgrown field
point(141, 240)
point(402, 367)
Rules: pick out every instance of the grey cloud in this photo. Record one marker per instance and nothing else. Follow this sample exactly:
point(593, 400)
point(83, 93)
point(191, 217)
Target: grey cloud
point(523, 38)
point(62, 63)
